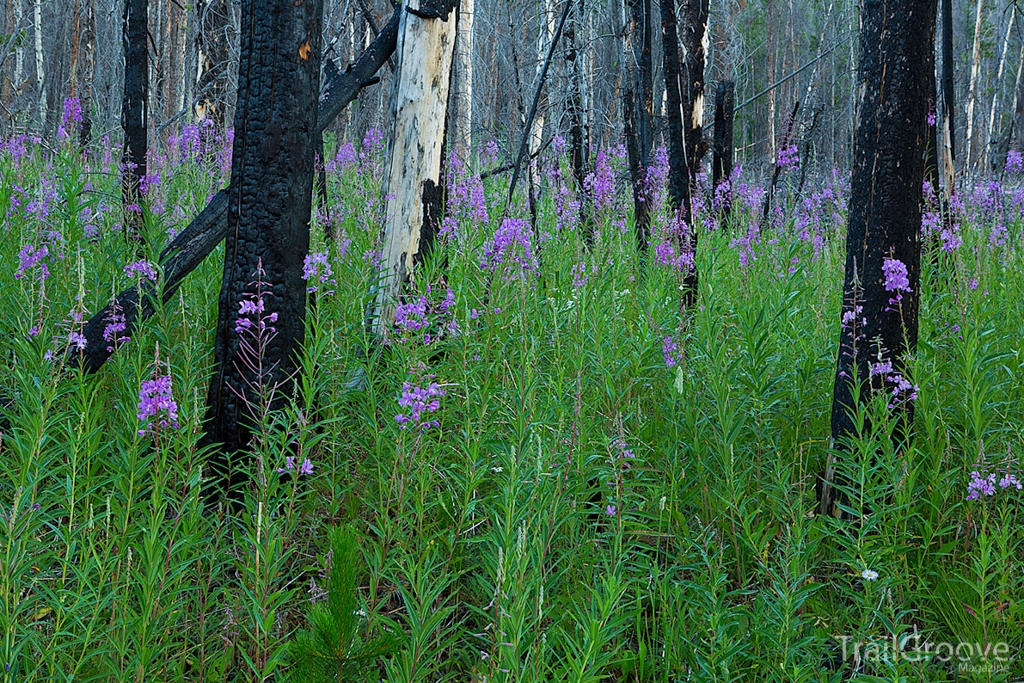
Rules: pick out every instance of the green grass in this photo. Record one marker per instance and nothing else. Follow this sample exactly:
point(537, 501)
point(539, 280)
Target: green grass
point(516, 540)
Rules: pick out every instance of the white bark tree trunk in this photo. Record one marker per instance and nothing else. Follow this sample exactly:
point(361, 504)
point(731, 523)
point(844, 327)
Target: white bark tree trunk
point(425, 49)
point(37, 18)
point(997, 92)
point(464, 129)
point(972, 93)
point(543, 42)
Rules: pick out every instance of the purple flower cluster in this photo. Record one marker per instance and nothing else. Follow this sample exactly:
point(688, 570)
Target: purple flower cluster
point(422, 317)
point(116, 326)
point(579, 275)
point(70, 119)
point(897, 279)
point(141, 269)
point(29, 258)
point(510, 249)
point(253, 304)
point(670, 349)
point(789, 158)
point(673, 246)
point(421, 401)
point(1014, 162)
point(601, 183)
point(317, 267)
point(980, 486)
point(289, 466)
point(157, 407)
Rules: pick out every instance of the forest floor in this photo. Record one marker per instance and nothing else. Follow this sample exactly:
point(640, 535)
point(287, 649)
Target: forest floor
point(554, 472)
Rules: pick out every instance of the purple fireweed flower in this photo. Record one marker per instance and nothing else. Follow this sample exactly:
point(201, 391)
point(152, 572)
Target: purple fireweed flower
point(579, 275)
point(980, 486)
point(317, 267)
point(670, 350)
point(412, 317)
point(420, 401)
point(157, 407)
point(70, 119)
point(610, 510)
point(951, 239)
point(1014, 162)
point(896, 277)
point(289, 465)
point(78, 340)
point(29, 258)
point(1010, 481)
point(141, 269)
point(510, 249)
point(789, 158)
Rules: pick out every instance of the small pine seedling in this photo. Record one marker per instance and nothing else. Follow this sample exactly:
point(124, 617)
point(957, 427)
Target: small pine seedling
point(332, 649)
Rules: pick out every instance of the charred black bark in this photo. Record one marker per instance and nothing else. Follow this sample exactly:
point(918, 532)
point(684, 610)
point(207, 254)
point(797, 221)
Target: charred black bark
point(269, 205)
point(721, 164)
point(684, 85)
point(948, 102)
point(575, 105)
point(212, 43)
point(208, 229)
point(639, 109)
point(134, 114)
point(879, 313)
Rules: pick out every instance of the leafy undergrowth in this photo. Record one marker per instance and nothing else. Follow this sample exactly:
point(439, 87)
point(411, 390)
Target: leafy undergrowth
point(553, 471)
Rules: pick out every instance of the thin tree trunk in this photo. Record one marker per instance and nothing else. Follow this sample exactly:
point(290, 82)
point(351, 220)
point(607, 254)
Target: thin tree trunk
point(464, 107)
point(993, 133)
point(37, 18)
point(269, 202)
point(948, 109)
point(721, 165)
point(879, 312)
point(1017, 110)
point(575, 68)
point(638, 115)
point(694, 42)
point(972, 90)
point(134, 113)
point(426, 46)
point(214, 57)
point(769, 65)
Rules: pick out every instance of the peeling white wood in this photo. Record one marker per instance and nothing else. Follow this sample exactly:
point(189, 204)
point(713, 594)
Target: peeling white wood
point(425, 50)
point(464, 55)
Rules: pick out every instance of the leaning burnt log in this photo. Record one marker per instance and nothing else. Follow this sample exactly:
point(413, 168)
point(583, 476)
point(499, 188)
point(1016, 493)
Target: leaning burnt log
point(208, 229)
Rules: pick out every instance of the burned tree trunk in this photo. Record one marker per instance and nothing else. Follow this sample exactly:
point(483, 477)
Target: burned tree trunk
point(208, 229)
point(721, 164)
point(883, 248)
point(212, 39)
point(134, 112)
point(426, 46)
point(269, 203)
point(948, 110)
point(684, 84)
point(639, 111)
point(574, 68)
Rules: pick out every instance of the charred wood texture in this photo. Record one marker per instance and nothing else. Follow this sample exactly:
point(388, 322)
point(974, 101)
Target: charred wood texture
point(269, 204)
point(880, 324)
point(134, 111)
point(639, 114)
point(208, 229)
point(948, 102)
point(721, 164)
point(684, 85)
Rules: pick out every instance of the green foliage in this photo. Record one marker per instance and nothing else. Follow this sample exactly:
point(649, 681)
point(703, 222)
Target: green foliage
point(335, 647)
point(580, 511)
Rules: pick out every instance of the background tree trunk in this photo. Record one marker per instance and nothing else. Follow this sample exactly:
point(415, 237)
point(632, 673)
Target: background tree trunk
point(212, 36)
point(972, 90)
point(269, 204)
point(897, 72)
point(464, 108)
point(639, 114)
point(992, 149)
point(948, 100)
point(134, 112)
point(721, 165)
point(426, 45)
